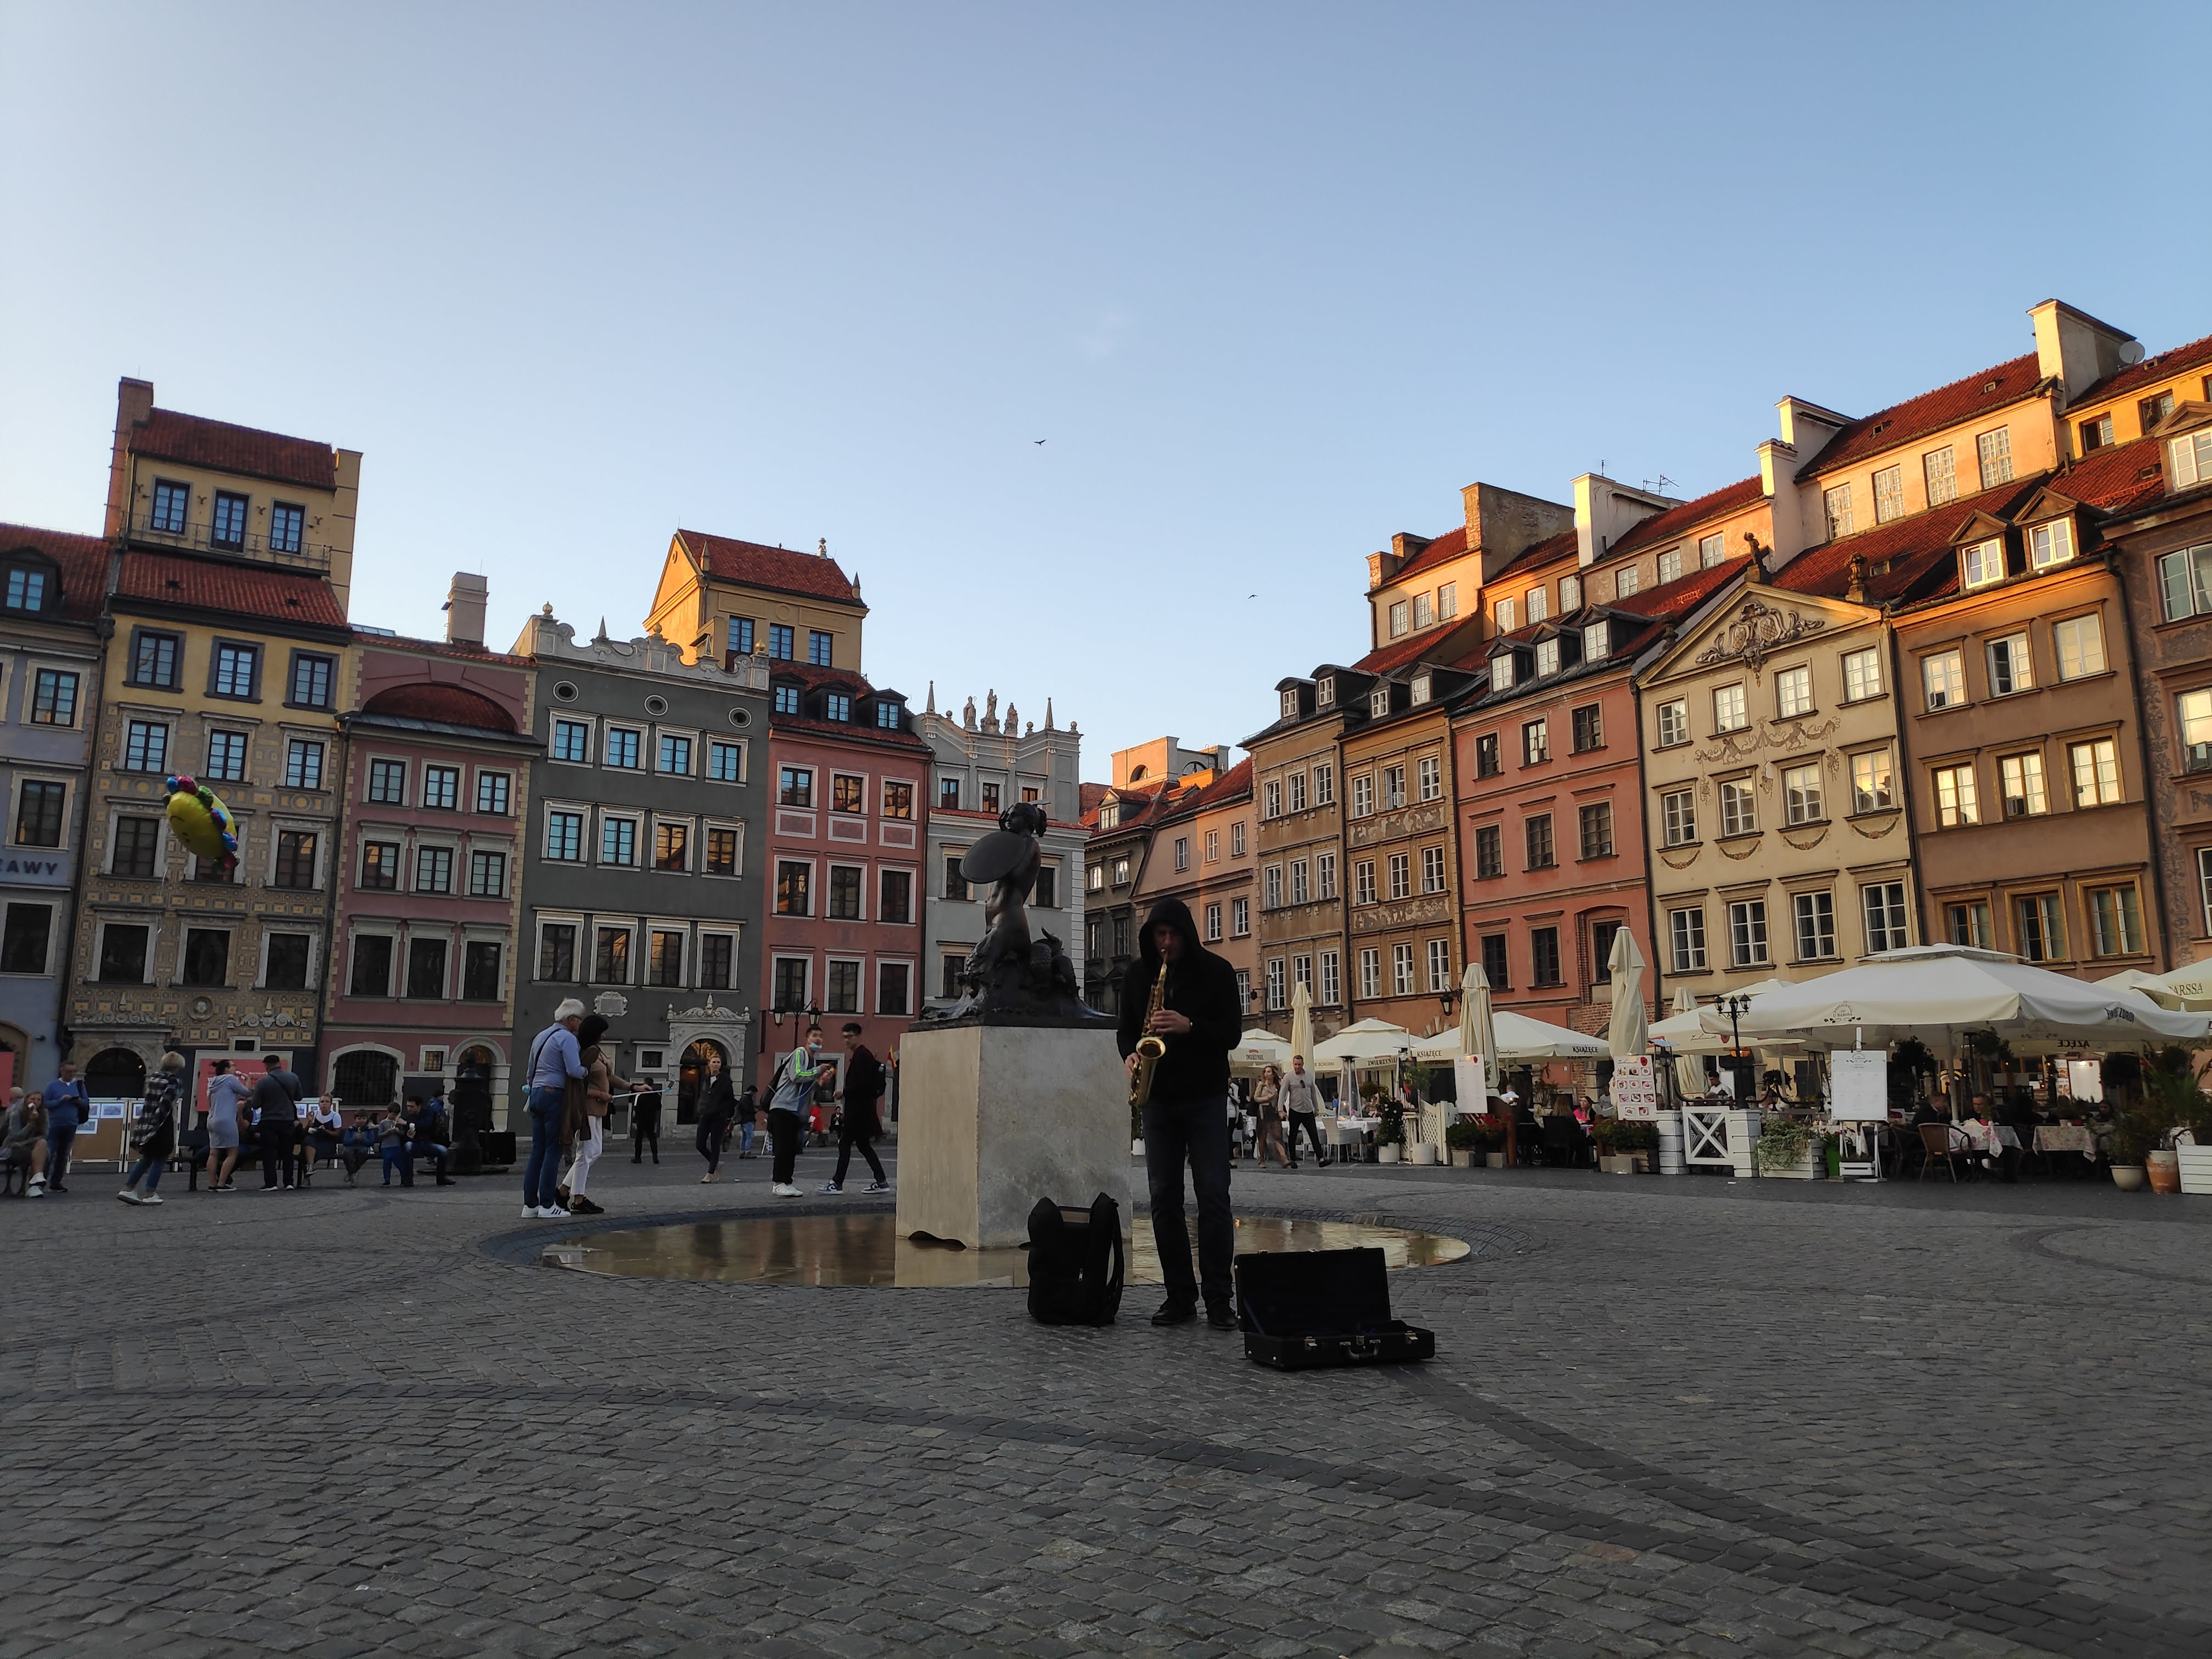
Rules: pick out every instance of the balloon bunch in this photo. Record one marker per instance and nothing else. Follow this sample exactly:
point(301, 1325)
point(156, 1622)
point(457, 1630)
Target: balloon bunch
point(198, 818)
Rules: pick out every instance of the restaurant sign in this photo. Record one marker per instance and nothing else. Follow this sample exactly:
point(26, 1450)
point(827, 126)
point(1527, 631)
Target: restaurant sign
point(1635, 1090)
point(19, 868)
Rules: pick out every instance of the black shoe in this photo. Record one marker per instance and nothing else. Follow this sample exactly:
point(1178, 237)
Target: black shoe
point(1173, 1312)
point(445, 1181)
point(1221, 1317)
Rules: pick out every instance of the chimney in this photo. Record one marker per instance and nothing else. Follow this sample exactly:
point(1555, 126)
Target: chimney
point(465, 609)
point(1504, 524)
point(2075, 350)
point(1806, 428)
point(1855, 587)
point(134, 407)
point(1381, 567)
point(1604, 510)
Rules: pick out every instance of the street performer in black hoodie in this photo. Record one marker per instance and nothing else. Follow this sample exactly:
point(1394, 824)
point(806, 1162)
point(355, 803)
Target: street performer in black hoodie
point(1199, 1020)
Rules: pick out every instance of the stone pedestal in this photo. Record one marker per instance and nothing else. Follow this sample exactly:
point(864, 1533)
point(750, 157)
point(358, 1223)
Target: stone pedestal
point(993, 1117)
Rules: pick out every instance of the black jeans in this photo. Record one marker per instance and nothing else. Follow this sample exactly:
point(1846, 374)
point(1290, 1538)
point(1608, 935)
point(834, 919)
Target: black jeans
point(1195, 1132)
point(1304, 1123)
point(641, 1135)
point(280, 1144)
point(708, 1140)
point(784, 1133)
point(850, 1137)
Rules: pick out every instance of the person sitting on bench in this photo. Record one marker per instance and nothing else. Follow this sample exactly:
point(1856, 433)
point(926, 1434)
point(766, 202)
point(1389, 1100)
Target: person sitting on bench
point(322, 1127)
point(357, 1146)
point(24, 1146)
point(427, 1138)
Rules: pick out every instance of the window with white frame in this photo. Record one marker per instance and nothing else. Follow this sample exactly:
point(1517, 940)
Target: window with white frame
point(1729, 713)
point(1674, 722)
point(1940, 468)
point(1943, 674)
point(1213, 846)
point(2184, 581)
point(1837, 505)
point(1625, 582)
point(1419, 693)
point(1378, 700)
point(1447, 601)
point(2020, 781)
point(2115, 920)
point(1570, 595)
point(1994, 449)
point(2204, 884)
point(1501, 671)
point(1888, 495)
point(1711, 550)
point(1401, 970)
point(1294, 791)
point(1325, 693)
point(1433, 869)
point(1424, 611)
point(2188, 459)
point(1677, 815)
point(1971, 924)
point(1984, 562)
point(1272, 882)
point(1862, 675)
point(1301, 882)
point(1393, 788)
point(1505, 624)
point(1275, 990)
point(1290, 702)
point(2039, 927)
point(1885, 922)
point(1439, 964)
point(1240, 917)
point(1324, 784)
point(1399, 621)
point(1793, 692)
point(1212, 924)
point(2079, 642)
point(1814, 916)
point(2193, 712)
point(1739, 808)
point(1402, 875)
point(2049, 544)
point(1686, 935)
point(1538, 605)
point(2012, 666)
point(1370, 973)
point(1324, 875)
point(1670, 566)
point(1270, 800)
point(1330, 990)
point(1597, 642)
point(1536, 742)
point(1429, 779)
point(1362, 882)
point(1872, 787)
point(1236, 839)
point(1748, 934)
point(1801, 794)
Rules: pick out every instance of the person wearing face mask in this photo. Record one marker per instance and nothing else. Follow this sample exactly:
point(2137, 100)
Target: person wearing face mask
point(791, 1099)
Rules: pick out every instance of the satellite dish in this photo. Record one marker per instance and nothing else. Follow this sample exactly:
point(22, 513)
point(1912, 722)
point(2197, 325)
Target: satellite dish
point(2132, 353)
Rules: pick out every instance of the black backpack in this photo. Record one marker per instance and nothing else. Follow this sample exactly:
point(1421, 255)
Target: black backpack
point(1075, 1263)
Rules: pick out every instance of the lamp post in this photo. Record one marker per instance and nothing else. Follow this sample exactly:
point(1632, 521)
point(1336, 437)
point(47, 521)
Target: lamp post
point(1733, 1005)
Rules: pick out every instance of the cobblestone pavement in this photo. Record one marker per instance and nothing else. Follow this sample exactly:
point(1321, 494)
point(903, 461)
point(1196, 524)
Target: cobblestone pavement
point(1679, 1416)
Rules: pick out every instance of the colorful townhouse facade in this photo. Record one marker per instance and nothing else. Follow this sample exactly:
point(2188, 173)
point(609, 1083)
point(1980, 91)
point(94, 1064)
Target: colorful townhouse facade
point(1203, 855)
point(51, 651)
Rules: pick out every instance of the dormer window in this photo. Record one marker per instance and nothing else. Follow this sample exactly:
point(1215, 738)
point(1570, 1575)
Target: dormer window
point(2188, 459)
point(887, 713)
point(1397, 619)
point(1290, 702)
point(1570, 595)
point(1325, 693)
point(1420, 689)
point(1501, 671)
point(786, 700)
point(2051, 544)
point(837, 706)
point(29, 588)
point(1547, 657)
point(1378, 700)
point(1983, 563)
point(1597, 642)
point(1110, 816)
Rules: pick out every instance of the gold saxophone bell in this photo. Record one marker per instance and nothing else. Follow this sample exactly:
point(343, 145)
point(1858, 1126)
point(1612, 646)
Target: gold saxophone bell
point(1149, 1048)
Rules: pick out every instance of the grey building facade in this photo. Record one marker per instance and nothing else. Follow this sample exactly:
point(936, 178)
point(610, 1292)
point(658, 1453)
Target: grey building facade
point(980, 765)
point(52, 586)
point(642, 853)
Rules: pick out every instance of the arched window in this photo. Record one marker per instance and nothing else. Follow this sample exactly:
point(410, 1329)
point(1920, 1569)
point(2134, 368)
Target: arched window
point(691, 1077)
point(365, 1078)
point(115, 1074)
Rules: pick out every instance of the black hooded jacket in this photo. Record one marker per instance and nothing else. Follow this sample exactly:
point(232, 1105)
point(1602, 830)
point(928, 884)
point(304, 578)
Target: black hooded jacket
point(1201, 987)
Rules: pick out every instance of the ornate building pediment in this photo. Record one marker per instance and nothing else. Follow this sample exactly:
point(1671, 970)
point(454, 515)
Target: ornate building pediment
point(1756, 632)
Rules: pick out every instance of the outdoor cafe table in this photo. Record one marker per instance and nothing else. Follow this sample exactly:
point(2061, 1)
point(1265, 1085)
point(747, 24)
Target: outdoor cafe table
point(2065, 1138)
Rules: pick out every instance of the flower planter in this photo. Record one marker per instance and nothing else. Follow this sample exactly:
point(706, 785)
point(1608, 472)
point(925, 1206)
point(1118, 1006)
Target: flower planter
point(2165, 1172)
point(1493, 1160)
point(1423, 1152)
point(2196, 1169)
point(1616, 1163)
point(1389, 1154)
point(1802, 1170)
point(2127, 1177)
point(1136, 1149)
point(1466, 1157)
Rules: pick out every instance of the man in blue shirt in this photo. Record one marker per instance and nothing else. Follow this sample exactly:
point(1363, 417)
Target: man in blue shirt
point(67, 1106)
point(555, 1060)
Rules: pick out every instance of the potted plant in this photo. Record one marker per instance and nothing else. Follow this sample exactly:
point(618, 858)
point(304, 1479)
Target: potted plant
point(1636, 1145)
point(1470, 1140)
point(1784, 1148)
point(1390, 1132)
point(2173, 1099)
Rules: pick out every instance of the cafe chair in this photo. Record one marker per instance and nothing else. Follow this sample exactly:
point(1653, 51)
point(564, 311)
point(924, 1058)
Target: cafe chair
point(1937, 1146)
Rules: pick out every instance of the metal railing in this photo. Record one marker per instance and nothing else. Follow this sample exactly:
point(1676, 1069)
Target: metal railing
point(201, 539)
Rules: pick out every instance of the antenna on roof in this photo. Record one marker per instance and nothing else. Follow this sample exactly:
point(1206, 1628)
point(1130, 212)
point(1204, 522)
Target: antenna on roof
point(1662, 481)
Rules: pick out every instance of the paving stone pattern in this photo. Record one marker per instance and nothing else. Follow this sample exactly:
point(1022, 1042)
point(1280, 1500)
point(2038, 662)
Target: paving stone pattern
point(1668, 1416)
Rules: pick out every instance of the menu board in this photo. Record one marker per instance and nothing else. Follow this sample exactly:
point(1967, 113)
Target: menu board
point(1635, 1090)
point(1858, 1086)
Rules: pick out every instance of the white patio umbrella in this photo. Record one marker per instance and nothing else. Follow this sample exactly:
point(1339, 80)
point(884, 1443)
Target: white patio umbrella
point(1258, 1048)
point(2188, 988)
point(1937, 992)
point(1689, 1070)
point(1370, 1039)
point(1478, 1029)
point(1624, 1032)
point(1302, 1043)
point(1521, 1042)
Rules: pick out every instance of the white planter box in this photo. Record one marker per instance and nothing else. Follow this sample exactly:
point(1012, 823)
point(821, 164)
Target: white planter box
point(1389, 1154)
point(1803, 1170)
point(2195, 1169)
point(1616, 1163)
point(1424, 1151)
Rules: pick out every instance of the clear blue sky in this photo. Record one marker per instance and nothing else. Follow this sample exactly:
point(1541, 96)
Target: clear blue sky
point(1273, 283)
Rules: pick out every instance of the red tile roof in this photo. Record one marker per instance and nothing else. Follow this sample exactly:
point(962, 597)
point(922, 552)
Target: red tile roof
point(1449, 546)
point(824, 680)
point(1088, 796)
point(193, 441)
point(83, 559)
point(373, 637)
point(779, 568)
point(449, 705)
point(2115, 479)
point(2147, 373)
point(1915, 550)
point(1675, 520)
point(278, 596)
point(1672, 600)
point(1399, 652)
point(1946, 405)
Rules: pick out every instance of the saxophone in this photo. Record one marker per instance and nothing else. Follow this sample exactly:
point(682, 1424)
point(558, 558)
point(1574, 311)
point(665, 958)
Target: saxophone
point(1149, 1048)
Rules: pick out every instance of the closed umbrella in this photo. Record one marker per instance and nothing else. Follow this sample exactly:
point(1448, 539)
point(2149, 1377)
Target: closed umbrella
point(1302, 1043)
point(1689, 1070)
point(1623, 1032)
point(1478, 1031)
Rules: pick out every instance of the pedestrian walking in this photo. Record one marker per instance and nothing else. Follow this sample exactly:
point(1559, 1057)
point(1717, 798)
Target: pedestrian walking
point(23, 1142)
point(1197, 1023)
point(790, 1099)
point(68, 1106)
point(276, 1106)
point(1301, 1102)
point(555, 1065)
point(858, 1123)
point(226, 1094)
point(1268, 1096)
point(156, 1136)
point(645, 1124)
point(718, 1104)
point(752, 1121)
point(590, 1123)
